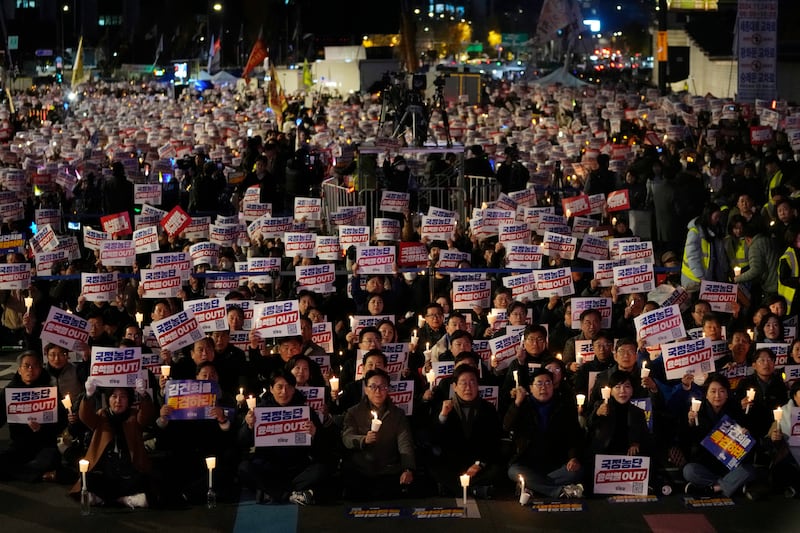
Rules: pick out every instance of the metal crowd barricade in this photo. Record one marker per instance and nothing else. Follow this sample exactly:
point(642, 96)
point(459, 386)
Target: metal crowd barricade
point(335, 196)
point(481, 189)
point(371, 199)
point(450, 198)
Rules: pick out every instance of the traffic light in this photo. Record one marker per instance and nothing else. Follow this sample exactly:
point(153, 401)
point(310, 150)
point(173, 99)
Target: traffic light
point(59, 76)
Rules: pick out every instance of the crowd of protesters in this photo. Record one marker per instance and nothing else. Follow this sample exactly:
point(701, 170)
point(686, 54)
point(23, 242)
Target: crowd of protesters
point(716, 207)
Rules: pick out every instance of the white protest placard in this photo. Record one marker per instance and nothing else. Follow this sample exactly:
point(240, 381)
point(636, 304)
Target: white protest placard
point(793, 423)
point(328, 248)
point(621, 474)
point(583, 225)
point(255, 210)
point(524, 198)
point(45, 239)
point(376, 259)
point(469, 294)
point(368, 321)
point(721, 296)
point(442, 370)
point(223, 234)
point(396, 360)
point(282, 426)
point(523, 286)
point(12, 242)
point(307, 208)
point(14, 276)
point(160, 282)
point(594, 249)
point(513, 233)
point(504, 349)
point(277, 319)
point(315, 397)
point(526, 256)
point(636, 252)
point(531, 216)
point(44, 217)
point(197, 228)
point(147, 193)
point(687, 357)
point(634, 278)
point(579, 305)
point(554, 282)
point(492, 218)
point(316, 278)
point(556, 245)
point(352, 236)
point(451, 258)
point(584, 352)
point(780, 349)
point(302, 244)
point(177, 331)
point(31, 404)
point(220, 283)
point(99, 287)
point(204, 253)
point(402, 395)
point(177, 260)
point(386, 229)
point(115, 367)
point(322, 335)
point(261, 269)
point(117, 253)
point(613, 245)
point(438, 212)
point(145, 240)
point(394, 202)
point(490, 393)
point(437, 229)
point(660, 325)
point(274, 227)
point(65, 329)
point(209, 313)
point(551, 222)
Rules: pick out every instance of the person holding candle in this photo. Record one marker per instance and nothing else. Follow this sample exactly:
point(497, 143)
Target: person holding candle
point(119, 466)
point(286, 473)
point(379, 464)
point(354, 391)
point(32, 450)
point(433, 329)
point(789, 272)
point(705, 474)
point(531, 354)
point(590, 320)
point(616, 426)
point(465, 434)
point(603, 348)
point(784, 468)
point(548, 439)
point(186, 443)
point(230, 360)
point(770, 391)
point(455, 322)
point(369, 338)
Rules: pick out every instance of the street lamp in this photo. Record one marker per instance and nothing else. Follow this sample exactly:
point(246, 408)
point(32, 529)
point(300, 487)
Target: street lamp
point(217, 7)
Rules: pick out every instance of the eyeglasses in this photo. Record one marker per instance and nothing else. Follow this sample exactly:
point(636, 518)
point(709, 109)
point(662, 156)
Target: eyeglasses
point(28, 366)
point(376, 388)
point(604, 345)
point(542, 384)
point(57, 354)
point(536, 339)
point(436, 315)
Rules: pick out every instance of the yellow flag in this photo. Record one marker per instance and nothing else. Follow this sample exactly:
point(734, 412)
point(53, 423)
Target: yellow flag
point(78, 76)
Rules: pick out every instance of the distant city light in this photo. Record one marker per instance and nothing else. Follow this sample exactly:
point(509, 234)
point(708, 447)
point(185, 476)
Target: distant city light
point(594, 25)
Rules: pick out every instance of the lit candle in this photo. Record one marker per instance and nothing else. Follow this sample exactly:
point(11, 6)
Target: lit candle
point(83, 465)
point(251, 402)
point(614, 221)
point(352, 323)
point(414, 338)
point(523, 496)
point(737, 270)
point(165, 370)
point(579, 358)
point(67, 402)
point(240, 396)
point(431, 375)
point(559, 357)
point(493, 360)
point(211, 463)
point(376, 422)
point(695, 409)
point(420, 321)
point(28, 303)
point(751, 395)
point(752, 335)
point(464, 478)
point(516, 378)
point(645, 372)
point(580, 399)
point(491, 318)
point(334, 381)
point(605, 392)
point(777, 414)
point(139, 319)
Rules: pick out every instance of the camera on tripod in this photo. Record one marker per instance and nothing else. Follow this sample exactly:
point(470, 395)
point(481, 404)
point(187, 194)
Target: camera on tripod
point(440, 80)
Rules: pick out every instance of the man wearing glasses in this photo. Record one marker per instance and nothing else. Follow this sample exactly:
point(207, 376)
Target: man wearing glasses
point(381, 461)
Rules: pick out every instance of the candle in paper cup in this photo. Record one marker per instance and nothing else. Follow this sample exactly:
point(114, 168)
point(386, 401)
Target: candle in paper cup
point(67, 402)
point(751, 395)
point(559, 357)
point(524, 497)
point(695, 408)
point(376, 422)
point(251, 402)
point(777, 414)
point(464, 480)
point(580, 399)
point(491, 318)
point(420, 321)
point(28, 303)
point(752, 336)
point(139, 319)
point(83, 466)
point(240, 396)
point(516, 378)
point(605, 392)
point(334, 381)
point(579, 358)
point(165, 370)
point(431, 375)
point(414, 338)
point(645, 372)
point(211, 463)
point(737, 270)
point(352, 323)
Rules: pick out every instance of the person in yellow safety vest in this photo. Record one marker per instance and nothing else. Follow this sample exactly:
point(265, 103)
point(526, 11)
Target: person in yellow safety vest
point(788, 272)
point(774, 178)
point(735, 245)
point(704, 256)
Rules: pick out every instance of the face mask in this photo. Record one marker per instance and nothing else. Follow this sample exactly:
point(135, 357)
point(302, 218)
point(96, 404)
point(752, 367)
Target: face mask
point(410, 276)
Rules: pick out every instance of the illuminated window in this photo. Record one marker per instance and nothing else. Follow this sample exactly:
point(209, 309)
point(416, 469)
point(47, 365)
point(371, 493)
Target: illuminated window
point(110, 20)
point(26, 4)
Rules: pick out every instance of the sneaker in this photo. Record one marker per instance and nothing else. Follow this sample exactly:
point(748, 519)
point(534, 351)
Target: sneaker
point(302, 497)
point(134, 501)
point(572, 491)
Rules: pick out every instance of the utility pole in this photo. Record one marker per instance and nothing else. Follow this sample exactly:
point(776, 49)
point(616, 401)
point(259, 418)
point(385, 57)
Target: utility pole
point(662, 65)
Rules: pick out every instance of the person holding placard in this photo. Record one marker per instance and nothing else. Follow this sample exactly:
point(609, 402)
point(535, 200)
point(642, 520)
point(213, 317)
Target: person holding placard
point(784, 468)
point(466, 438)
point(547, 438)
point(369, 338)
point(119, 466)
point(187, 442)
point(705, 474)
point(590, 320)
point(603, 347)
point(381, 461)
point(32, 450)
point(769, 391)
point(285, 473)
point(455, 322)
